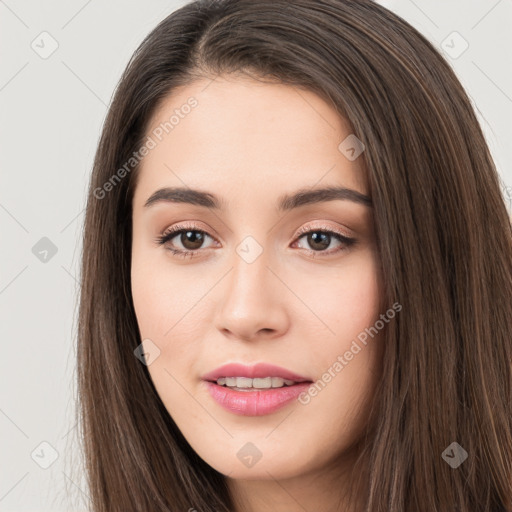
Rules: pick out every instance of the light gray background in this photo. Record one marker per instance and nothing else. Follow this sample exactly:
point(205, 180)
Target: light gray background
point(52, 111)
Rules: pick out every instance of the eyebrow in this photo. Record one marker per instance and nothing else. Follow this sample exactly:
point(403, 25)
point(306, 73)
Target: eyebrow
point(285, 202)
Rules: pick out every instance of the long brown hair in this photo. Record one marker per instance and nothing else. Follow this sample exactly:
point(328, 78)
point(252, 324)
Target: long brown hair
point(444, 241)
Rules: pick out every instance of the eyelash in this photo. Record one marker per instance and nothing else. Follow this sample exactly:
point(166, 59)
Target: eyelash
point(177, 230)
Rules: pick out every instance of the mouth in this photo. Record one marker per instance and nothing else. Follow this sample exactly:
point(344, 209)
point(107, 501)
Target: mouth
point(254, 390)
point(248, 384)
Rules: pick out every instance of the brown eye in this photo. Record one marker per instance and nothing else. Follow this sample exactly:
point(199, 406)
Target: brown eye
point(183, 240)
point(318, 240)
point(192, 240)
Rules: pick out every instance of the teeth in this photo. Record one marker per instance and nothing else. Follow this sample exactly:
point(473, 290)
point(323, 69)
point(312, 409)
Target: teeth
point(258, 383)
point(243, 382)
point(230, 381)
point(277, 382)
point(263, 383)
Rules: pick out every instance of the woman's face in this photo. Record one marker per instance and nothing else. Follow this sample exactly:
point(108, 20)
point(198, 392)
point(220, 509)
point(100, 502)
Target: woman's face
point(257, 289)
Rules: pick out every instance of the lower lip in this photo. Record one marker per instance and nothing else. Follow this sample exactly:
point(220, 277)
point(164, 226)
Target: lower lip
point(255, 403)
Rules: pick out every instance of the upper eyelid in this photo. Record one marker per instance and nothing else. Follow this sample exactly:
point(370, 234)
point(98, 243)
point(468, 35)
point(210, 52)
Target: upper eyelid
point(175, 231)
point(305, 230)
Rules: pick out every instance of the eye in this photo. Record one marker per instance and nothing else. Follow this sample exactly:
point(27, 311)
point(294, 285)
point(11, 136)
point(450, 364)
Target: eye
point(189, 237)
point(319, 239)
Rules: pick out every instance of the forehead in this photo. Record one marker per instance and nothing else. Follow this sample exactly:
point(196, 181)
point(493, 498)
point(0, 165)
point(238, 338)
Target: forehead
point(247, 139)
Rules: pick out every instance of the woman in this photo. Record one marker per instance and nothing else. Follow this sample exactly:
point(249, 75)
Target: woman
point(296, 281)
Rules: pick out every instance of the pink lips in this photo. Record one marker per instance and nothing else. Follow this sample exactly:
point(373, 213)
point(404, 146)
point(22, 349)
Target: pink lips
point(257, 402)
point(253, 372)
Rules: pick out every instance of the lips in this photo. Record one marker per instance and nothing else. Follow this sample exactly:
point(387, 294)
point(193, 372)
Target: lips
point(254, 402)
point(260, 370)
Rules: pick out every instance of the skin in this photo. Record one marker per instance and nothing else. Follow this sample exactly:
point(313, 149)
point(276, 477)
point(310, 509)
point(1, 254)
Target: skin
point(250, 142)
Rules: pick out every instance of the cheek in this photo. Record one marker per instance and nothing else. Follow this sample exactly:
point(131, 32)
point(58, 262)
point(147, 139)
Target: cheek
point(345, 301)
point(349, 347)
point(164, 302)
point(164, 295)
point(171, 312)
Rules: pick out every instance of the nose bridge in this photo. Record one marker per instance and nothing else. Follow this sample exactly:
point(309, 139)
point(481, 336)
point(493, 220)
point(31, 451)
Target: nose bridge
point(250, 300)
point(250, 274)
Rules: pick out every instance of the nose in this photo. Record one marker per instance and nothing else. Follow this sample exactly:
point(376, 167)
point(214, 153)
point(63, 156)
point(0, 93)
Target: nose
point(253, 302)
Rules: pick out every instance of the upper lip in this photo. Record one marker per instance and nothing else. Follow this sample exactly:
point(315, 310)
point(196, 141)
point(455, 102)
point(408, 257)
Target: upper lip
point(259, 370)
